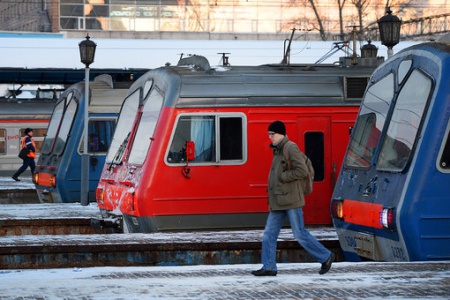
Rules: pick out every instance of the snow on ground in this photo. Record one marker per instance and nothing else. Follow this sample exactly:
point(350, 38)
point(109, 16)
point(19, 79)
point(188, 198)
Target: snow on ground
point(25, 183)
point(294, 281)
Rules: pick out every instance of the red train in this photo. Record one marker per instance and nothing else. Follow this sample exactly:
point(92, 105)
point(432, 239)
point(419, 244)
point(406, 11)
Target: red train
point(191, 152)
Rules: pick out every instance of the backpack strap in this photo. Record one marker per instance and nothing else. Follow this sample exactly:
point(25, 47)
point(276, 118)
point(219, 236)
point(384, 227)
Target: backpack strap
point(285, 154)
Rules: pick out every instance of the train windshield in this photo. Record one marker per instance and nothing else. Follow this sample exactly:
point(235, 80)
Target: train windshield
point(402, 127)
point(147, 124)
point(66, 124)
point(372, 116)
point(59, 126)
point(124, 126)
point(404, 123)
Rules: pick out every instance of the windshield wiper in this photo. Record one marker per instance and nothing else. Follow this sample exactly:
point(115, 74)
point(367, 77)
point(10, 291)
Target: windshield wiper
point(117, 160)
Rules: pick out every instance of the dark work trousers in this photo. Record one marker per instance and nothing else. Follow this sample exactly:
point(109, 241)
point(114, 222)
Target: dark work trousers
point(28, 162)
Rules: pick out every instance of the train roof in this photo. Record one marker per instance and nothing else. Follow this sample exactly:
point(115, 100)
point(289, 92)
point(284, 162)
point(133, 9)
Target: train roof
point(65, 76)
point(106, 95)
point(440, 49)
point(30, 109)
point(436, 51)
point(264, 85)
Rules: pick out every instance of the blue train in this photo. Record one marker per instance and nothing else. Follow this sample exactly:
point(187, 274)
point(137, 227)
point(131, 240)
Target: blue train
point(392, 198)
point(58, 169)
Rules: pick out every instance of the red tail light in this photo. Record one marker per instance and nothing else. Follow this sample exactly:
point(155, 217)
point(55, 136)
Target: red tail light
point(44, 179)
point(387, 218)
point(127, 203)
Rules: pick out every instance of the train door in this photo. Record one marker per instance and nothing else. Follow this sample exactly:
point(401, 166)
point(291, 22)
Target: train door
point(314, 139)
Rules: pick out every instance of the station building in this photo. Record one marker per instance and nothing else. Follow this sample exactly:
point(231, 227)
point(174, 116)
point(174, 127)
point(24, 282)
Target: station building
point(198, 19)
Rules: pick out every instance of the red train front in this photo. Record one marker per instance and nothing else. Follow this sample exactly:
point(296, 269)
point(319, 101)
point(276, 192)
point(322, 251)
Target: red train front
point(191, 152)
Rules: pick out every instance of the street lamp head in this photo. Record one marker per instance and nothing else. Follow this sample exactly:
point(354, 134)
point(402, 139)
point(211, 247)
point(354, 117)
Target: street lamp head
point(369, 50)
point(389, 26)
point(87, 51)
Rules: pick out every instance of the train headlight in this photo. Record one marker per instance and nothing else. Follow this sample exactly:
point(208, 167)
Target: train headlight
point(100, 195)
point(36, 178)
point(337, 209)
point(387, 218)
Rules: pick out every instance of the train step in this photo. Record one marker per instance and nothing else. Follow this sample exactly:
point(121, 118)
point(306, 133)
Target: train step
point(47, 219)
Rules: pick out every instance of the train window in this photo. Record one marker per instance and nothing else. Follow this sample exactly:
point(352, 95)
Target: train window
point(53, 126)
point(202, 130)
point(444, 162)
point(100, 135)
point(314, 149)
point(147, 124)
point(147, 87)
point(404, 124)
point(2, 141)
point(231, 139)
point(66, 124)
point(403, 69)
point(370, 123)
point(124, 124)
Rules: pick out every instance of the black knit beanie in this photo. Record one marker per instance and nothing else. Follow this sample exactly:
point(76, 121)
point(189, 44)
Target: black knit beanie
point(278, 127)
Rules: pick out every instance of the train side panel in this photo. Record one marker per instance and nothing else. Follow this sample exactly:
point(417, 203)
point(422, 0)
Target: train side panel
point(175, 196)
point(221, 118)
point(15, 117)
point(426, 226)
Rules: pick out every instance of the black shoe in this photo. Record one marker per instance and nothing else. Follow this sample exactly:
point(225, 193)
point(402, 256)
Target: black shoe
point(15, 178)
point(326, 266)
point(263, 272)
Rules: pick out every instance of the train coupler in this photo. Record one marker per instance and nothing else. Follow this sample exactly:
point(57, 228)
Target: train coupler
point(113, 224)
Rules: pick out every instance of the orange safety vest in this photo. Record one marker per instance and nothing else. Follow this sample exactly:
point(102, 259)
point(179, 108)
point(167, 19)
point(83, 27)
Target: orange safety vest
point(31, 154)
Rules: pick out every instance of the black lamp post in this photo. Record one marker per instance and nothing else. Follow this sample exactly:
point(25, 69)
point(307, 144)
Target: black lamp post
point(389, 26)
point(87, 53)
point(369, 50)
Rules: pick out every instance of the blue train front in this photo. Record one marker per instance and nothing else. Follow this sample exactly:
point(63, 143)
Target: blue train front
point(392, 199)
point(58, 170)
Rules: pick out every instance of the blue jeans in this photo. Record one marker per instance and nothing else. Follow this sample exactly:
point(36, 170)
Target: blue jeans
point(275, 221)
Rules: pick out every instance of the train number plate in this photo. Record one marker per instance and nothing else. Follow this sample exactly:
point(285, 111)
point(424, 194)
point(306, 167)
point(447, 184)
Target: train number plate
point(365, 245)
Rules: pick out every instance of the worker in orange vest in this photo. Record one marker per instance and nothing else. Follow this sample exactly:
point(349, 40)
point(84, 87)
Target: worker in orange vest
point(28, 142)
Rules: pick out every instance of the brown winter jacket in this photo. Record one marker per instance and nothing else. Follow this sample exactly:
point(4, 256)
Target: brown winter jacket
point(284, 188)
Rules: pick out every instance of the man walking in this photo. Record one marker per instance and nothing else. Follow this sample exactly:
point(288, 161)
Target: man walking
point(286, 199)
point(28, 142)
